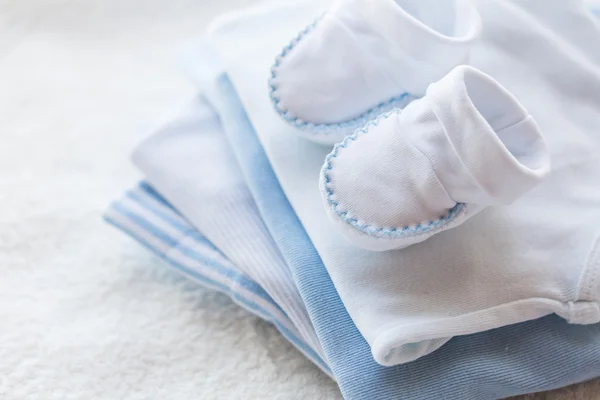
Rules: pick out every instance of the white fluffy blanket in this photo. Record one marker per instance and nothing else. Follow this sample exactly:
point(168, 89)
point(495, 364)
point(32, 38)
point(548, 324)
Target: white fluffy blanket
point(86, 313)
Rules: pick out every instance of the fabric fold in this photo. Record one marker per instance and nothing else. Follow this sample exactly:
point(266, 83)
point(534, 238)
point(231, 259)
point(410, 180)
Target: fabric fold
point(190, 163)
point(145, 216)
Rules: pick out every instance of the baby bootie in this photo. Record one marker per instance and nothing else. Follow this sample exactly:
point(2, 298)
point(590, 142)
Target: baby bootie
point(467, 144)
point(365, 57)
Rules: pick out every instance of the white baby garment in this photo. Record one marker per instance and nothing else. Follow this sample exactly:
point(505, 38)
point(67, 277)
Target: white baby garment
point(413, 173)
point(507, 264)
point(190, 163)
point(365, 57)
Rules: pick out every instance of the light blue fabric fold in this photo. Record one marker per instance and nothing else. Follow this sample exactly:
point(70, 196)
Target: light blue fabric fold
point(144, 215)
point(535, 356)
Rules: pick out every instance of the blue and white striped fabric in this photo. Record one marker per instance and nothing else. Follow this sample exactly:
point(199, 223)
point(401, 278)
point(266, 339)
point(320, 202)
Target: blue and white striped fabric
point(145, 216)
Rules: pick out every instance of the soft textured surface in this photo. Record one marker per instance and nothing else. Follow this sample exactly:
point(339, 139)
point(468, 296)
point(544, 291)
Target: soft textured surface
point(86, 313)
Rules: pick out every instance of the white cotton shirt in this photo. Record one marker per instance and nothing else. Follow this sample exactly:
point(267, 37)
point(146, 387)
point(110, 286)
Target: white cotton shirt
point(508, 264)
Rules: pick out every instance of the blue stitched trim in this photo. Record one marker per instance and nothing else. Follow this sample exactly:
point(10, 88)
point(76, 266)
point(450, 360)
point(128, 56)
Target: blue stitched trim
point(395, 102)
point(373, 230)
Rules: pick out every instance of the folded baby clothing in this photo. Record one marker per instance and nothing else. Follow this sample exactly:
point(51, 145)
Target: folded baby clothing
point(411, 174)
point(534, 356)
point(507, 264)
point(365, 57)
point(145, 216)
point(189, 162)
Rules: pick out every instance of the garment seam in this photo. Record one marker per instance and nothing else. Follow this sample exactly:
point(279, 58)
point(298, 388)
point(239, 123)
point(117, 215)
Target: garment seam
point(325, 128)
point(415, 229)
point(432, 164)
point(589, 276)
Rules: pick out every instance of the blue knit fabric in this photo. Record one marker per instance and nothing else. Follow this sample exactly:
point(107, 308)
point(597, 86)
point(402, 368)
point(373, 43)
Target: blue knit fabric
point(535, 356)
point(147, 217)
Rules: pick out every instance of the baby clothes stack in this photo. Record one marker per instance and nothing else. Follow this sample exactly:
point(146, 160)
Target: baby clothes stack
point(480, 278)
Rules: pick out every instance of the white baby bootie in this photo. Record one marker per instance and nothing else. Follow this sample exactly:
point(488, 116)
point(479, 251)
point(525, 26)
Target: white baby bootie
point(413, 173)
point(365, 57)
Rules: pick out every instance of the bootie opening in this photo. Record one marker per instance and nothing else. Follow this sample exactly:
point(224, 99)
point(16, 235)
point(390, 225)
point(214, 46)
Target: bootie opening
point(512, 124)
point(453, 18)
